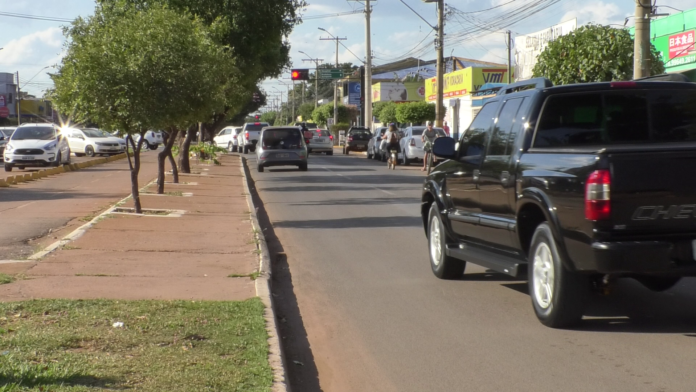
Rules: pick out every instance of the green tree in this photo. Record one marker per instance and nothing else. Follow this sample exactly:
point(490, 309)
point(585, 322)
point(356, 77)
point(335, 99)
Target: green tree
point(260, 49)
point(305, 110)
point(132, 71)
point(592, 53)
point(269, 117)
point(387, 114)
point(415, 112)
point(321, 114)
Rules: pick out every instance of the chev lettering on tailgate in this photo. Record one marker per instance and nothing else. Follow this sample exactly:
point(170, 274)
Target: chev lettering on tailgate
point(684, 211)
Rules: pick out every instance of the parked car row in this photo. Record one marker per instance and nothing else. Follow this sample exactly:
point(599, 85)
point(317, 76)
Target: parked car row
point(45, 144)
point(410, 143)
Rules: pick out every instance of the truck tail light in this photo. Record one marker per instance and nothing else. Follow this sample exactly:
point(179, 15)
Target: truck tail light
point(413, 143)
point(246, 135)
point(598, 195)
point(330, 137)
point(350, 138)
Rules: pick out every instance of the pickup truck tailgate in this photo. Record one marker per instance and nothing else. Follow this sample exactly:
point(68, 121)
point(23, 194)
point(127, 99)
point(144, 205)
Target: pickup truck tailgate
point(654, 190)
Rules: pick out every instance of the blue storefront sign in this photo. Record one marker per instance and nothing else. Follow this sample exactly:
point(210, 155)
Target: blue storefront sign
point(354, 93)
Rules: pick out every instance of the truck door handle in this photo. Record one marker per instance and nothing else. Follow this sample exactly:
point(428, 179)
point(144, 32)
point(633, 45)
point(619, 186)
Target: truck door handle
point(476, 174)
point(504, 177)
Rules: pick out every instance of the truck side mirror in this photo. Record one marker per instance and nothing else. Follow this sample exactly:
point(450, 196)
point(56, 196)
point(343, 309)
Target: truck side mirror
point(443, 147)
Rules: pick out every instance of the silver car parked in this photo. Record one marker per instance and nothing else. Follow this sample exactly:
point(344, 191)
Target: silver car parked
point(281, 146)
point(373, 146)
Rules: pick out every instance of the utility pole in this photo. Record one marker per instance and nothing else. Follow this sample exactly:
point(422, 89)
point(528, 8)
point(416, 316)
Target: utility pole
point(641, 48)
point(509, 47)
point(293, 100)
point(439, 43)
point(368, 67)
point(335, 111)
point(19, 115)
point(316, 78)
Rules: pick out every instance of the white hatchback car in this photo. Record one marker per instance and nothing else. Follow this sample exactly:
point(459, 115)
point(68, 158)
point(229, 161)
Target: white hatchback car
point(227, 138)
point(91, 142)
point(36, 145)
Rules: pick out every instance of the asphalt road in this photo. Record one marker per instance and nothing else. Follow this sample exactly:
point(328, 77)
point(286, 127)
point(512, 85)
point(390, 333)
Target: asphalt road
point(360, 309)
point(54, 205)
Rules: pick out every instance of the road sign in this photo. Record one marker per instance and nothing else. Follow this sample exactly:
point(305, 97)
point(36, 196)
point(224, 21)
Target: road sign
point(330, 73)
point(4, 112)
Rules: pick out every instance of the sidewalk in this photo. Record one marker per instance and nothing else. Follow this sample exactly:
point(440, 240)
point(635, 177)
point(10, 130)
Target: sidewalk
point(190, 257)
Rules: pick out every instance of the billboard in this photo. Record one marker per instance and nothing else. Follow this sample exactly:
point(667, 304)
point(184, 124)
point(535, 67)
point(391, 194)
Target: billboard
point(529, 47)
point(464, 81)
point(677, 49)
point(354, 93)
point(398, 92)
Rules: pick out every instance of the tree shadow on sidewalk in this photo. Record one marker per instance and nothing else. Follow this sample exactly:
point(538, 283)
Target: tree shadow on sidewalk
point(302, 374)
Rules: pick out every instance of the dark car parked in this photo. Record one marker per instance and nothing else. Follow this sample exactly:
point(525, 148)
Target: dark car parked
point(575, 185)
point(357, 139)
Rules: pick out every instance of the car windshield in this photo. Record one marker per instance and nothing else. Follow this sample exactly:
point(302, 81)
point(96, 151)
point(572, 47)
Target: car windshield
point(282, 139)
point(255, 126)
point(322, 132)
point(419, 131)
point(34, 133)
point(96, 133)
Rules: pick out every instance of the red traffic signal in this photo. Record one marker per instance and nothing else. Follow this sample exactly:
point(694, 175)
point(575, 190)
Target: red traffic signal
point(256, 117)
point(299, 74)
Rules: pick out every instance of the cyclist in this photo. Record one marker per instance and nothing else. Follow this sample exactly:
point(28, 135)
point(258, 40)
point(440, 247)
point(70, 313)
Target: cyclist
point(392, 136)
point(428, 138)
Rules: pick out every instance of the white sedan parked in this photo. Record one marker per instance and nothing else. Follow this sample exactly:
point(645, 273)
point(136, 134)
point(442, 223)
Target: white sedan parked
point(412, 145)
point(36, 145)
point(227, 138)
point(91, 142)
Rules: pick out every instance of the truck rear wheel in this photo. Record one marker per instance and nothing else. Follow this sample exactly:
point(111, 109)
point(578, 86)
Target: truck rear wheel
point(559, 296)
point(443, 266)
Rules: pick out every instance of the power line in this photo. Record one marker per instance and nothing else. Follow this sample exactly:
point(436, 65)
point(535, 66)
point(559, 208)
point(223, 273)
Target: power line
point(309, 17)
point(35, 17)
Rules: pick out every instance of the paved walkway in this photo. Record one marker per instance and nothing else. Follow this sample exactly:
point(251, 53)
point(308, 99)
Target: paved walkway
point(154, 257)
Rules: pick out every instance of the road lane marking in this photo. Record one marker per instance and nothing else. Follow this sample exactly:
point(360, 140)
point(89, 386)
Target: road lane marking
point(24, 205)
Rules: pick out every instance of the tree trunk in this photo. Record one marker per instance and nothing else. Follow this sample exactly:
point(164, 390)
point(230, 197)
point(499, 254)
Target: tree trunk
point(184, 165)
point(161, 159)
point(175, 171)
point(135, 170)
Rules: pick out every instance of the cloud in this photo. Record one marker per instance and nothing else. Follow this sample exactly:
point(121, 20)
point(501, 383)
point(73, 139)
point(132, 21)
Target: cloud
point(595, 12)
point(32, 52)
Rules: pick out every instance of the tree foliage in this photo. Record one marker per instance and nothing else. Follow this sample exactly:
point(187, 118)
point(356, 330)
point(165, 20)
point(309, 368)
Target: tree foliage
point(321, 114)
point(415, 112)
point(387, 113)
point(269, 117)
point(305, 110)
point(592, 53)
point(140, 70)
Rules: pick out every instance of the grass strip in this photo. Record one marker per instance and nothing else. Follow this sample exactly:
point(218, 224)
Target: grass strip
point(78, 345)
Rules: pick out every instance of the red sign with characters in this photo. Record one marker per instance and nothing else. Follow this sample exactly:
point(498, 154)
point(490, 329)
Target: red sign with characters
point(681, 44)
point(4, 112)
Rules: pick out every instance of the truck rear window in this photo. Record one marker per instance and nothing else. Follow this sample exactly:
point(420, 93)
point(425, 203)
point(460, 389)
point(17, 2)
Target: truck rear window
point(637, 116)
point(255, 127)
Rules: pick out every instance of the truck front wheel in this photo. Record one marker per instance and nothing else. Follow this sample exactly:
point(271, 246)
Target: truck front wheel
point(559, 296)
point(443, 266)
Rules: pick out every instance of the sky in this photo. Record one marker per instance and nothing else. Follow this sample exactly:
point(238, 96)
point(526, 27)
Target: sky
point(30, 45)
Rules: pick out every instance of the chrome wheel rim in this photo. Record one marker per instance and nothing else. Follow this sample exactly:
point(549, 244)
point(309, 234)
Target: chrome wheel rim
point(435, 241)
point(544, 276)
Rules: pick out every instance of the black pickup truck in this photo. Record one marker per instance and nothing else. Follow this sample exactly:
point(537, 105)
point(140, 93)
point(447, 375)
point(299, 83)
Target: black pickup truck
point(572, 186)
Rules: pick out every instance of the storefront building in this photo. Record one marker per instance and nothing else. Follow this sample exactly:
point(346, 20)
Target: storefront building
point(674, 37)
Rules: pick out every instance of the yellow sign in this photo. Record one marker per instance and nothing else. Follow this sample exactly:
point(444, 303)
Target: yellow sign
point(464, 81)
point(398, 92)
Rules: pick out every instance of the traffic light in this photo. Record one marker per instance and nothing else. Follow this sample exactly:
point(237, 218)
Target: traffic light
point(299, 74)
point(256, 117)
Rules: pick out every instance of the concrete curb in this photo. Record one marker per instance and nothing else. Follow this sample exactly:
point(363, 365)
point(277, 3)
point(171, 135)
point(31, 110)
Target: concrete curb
point(276, 359)
point(14, 180)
